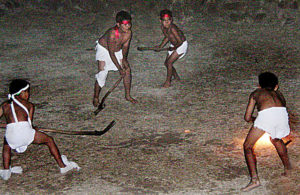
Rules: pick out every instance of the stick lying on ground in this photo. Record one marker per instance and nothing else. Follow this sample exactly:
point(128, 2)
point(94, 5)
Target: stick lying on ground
point(102, 105)
point(97, 133)
point(152, 49)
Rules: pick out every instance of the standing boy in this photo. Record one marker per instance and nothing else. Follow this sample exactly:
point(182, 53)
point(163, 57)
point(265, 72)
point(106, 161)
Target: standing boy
point(19, 134)
point(178, 44)
point(272, 118)
point(111, 54)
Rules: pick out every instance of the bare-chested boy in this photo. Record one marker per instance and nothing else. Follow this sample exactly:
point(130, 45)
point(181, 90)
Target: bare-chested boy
point(18, 112)
point(178, 44)
point(272, 118)
point(111, 54)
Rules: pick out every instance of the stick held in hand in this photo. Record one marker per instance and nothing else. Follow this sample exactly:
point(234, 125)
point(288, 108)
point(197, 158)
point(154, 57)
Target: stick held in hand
point(102, 105)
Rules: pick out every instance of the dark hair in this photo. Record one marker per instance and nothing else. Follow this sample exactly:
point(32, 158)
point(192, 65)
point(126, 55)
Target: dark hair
point(268, 80)
point(164, 12)
point(16, 85)
point(122, 15)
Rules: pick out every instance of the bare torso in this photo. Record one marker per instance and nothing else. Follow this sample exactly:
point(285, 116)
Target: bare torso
point(268, 98)
point(173, 38)
point(114, 39)
point(20, 112)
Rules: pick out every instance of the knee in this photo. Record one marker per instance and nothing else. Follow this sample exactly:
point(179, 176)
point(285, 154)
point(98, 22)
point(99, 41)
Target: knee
point(247, 146)
point(50, 140)
point(128, 70)
point(168, 63)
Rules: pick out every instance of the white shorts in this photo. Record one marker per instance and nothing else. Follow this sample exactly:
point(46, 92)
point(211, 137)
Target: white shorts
point(102, 54)
point(19, 135)
point(274, 121)
point(182, 49)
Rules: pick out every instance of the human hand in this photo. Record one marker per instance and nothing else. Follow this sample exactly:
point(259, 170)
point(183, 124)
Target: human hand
point(122, 72)
point(172, 48)
point(156, 48)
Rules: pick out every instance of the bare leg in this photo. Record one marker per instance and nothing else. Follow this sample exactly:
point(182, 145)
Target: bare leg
point(174, 72)
point(282, 152)
point(42, 138)
point(252, 137)
point(97, 88)
point(171, 71)
point(127, 85)
point(6, 155)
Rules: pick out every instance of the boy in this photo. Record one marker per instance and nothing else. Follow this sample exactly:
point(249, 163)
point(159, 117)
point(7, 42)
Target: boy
point(111, 54)
point(178, 46)
point(18, 112)
point(272, 118)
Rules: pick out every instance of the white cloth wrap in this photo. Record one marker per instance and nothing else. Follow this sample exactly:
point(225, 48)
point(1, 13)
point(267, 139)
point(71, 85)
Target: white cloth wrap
point(69, 165)
point(19, 135)
point(274, 121)
point(6, 173)
point(182, 49)
point(102, 54)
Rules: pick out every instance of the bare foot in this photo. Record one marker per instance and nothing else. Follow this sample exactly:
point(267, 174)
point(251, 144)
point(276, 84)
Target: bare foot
point(166, 84)
point(95, 101)
point(177, 78)
point(253, 184)
point(130, 99)
point(286, 173)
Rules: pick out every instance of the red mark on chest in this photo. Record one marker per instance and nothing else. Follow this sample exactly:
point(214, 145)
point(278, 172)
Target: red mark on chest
point(117, 32)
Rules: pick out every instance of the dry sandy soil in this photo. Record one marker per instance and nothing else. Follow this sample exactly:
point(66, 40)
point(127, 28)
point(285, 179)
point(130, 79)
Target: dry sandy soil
point(228, 49)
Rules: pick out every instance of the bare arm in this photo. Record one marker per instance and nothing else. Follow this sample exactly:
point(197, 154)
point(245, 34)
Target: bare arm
point(1, 111)
point(111, 44)
point(31, 112)
point(179, 41)
point(281, 97)
point(250, 108)
point(164, 42)
point(2, 125)
point(125, 50)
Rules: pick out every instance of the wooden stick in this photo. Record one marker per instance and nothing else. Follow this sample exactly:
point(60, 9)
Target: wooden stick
point(152, 49)
point(102, 105)
point(97, 133)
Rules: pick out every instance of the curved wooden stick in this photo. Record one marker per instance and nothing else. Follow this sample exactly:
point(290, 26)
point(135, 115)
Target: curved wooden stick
point(97, 133)
point(152, 49)
point(101, 105)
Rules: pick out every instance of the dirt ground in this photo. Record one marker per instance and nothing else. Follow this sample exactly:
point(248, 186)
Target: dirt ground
point(150, 150)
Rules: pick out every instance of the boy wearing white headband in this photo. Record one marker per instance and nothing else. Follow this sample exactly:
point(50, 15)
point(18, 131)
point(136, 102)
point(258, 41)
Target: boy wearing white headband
point(18, 112)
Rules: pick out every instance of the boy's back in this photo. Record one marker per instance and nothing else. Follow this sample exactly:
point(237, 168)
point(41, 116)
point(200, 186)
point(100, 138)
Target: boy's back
point(266, 98)
point(20, 112)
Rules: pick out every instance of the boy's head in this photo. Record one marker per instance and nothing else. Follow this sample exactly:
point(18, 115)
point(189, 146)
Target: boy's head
point(165, 14)
point(17, 86)
point(123, 17)
point(166, 18)
point(268, 80)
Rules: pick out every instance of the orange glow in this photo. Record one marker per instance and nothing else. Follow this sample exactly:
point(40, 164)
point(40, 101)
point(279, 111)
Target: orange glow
point(264, 140)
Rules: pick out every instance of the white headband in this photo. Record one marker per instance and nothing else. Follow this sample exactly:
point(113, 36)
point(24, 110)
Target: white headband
point(18, 93)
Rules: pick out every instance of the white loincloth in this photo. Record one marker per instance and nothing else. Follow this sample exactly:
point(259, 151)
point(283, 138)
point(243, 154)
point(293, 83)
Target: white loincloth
point(19, 135)
point(274, 121)
point(102, 54)
point(182, 49)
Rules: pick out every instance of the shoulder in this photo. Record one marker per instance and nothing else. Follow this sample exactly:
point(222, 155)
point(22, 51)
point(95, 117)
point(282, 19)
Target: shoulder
point(255, 93)
point(4, 104)
point(174, 27)
point(28, 105)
